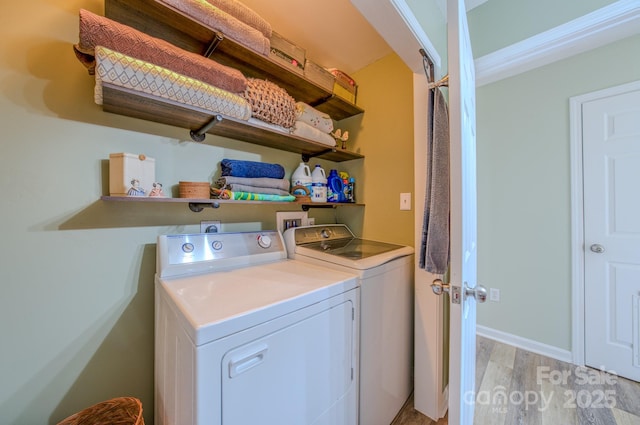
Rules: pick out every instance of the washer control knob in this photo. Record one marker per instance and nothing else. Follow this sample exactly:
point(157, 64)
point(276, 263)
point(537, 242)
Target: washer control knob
point(216, 245)
point(324, 233)
point(264, 241)
point(187, 247)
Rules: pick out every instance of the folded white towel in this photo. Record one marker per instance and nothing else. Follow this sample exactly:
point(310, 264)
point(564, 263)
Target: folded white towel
point(304, 130)
point(313, 117)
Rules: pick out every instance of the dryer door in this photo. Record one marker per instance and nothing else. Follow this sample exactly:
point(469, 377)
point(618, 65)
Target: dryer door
point(303, 373)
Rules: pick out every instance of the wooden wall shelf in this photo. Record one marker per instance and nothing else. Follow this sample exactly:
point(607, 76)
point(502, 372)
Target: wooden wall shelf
point(162, 21)
point(139, 105)
point(198, 205)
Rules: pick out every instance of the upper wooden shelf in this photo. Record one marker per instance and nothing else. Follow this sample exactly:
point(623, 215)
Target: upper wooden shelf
point(162, 21)
point(139, 105)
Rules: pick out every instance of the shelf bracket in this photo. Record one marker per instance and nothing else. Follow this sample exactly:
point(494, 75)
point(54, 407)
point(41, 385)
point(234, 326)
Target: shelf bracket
point(199, 135)
point(199, 206)
point(322, 100)
point(307, 156)
point(306, 207)
point(217, 39)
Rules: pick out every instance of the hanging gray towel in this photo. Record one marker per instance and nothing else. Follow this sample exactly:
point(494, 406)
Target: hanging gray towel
point(434, 247)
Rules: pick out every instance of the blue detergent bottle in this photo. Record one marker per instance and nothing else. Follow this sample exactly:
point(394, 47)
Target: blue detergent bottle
point(335, 187)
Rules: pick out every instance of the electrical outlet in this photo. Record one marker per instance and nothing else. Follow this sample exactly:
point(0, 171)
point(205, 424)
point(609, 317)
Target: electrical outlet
point(405, 201)
point(211, 226)
point(494, 294)
point(288, 219)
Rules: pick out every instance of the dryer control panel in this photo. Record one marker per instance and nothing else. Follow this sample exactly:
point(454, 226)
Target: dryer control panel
point(197, 253)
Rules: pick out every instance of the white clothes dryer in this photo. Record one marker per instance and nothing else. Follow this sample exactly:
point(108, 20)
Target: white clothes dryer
point(245, 335)
point(385, 277)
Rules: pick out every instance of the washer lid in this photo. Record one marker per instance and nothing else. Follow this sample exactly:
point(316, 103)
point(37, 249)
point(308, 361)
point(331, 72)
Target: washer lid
point(359, 254)
point(336, 244)
point(214, 305)
point(352, 248)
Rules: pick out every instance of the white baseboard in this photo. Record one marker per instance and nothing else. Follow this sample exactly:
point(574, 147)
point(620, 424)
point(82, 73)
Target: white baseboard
point(525, 344)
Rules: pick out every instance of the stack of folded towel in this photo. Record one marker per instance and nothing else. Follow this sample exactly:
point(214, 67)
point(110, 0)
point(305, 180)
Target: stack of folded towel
point(313, 125)
point(96, 30)
point(251, 180)
point(231, 18)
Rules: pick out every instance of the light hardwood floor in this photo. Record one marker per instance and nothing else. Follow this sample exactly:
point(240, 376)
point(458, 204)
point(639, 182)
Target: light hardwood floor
point(517, 387)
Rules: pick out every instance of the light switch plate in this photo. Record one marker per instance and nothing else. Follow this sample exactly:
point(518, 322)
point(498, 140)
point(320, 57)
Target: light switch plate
point(405, 201)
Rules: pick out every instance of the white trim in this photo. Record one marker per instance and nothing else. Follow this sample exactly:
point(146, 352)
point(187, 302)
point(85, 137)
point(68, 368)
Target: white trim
point(577, 232)
point(385, 16)
point(603, 26)
point(429, 398)
point(417, 30)
point(412, 23)
point(577, 213)
point(525, 344)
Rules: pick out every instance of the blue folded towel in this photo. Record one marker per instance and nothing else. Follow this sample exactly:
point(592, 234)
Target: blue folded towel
point(253, 169)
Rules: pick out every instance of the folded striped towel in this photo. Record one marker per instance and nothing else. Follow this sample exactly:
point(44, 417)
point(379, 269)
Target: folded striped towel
point(248, 196)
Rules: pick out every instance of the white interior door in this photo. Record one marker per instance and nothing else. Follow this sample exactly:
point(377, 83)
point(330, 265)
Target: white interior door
point(462, 119)
point(611, 167)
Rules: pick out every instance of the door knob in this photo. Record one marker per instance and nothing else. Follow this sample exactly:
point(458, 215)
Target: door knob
point(479, 292)
point(597, 248)
point(438, 287)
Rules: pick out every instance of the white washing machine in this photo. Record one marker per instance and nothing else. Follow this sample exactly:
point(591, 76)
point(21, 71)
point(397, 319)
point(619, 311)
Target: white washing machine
point(385, 277)
point(245, 335)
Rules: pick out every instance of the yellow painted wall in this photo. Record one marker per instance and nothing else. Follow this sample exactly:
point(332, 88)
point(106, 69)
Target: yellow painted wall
point(384, 133)
point(76, 273)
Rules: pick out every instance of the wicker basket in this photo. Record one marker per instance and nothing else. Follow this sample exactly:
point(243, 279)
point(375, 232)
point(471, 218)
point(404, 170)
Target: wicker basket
point(117, 411)
point(195, 190)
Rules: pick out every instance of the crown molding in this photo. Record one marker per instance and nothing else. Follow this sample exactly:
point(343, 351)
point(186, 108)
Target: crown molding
point(603, 26)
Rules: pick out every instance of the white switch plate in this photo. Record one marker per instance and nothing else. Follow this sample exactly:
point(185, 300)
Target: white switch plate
point(405, 201)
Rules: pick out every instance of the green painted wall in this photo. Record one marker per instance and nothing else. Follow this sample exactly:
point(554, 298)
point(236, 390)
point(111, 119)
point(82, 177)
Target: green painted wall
point(434, 24)
point(500, 23)
point(524, 205)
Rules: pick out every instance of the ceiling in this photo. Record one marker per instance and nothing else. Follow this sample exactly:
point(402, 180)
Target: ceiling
point(333, 32)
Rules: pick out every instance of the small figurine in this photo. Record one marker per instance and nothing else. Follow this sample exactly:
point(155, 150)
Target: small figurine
point(135, 189)
point(157, 190)
point(339, 135)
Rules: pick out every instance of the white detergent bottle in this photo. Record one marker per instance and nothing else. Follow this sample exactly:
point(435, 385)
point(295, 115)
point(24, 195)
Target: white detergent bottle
point(301, 177)
point(318, 185)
